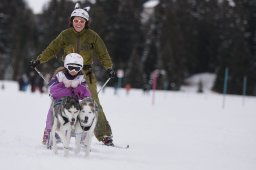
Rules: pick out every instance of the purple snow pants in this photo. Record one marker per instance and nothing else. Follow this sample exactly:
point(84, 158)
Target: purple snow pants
point(49, 119)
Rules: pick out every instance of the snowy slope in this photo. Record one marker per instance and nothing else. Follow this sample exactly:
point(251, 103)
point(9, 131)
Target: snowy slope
point(182, 131)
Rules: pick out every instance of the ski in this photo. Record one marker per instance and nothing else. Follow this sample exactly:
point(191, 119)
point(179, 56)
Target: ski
point(121, 146)
point(116, 146)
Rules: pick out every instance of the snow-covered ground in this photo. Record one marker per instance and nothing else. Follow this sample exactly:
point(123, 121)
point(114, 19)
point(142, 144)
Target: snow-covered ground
point(181, 131)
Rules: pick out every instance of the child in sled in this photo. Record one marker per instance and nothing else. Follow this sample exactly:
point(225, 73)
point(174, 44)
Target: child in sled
point(67, 81)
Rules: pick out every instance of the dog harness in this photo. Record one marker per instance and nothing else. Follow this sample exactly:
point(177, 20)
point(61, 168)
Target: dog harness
point(83, 127)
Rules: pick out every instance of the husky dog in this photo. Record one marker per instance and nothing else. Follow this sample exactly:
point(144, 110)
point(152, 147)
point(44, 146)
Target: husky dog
point(85, 124)
point(65, 112)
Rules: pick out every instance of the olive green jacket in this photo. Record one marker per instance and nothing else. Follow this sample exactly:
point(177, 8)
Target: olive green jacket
point(85, 43)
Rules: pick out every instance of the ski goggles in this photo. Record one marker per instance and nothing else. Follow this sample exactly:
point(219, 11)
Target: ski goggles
point(79, 21)
point(76, 68)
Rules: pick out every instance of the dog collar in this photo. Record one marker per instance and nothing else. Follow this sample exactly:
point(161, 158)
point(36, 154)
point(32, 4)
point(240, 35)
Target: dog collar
point(65, 120)
point(83, 127)
point(57, 102)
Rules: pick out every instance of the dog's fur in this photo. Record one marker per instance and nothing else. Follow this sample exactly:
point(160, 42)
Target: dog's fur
point(65, 112)
point(85, 124)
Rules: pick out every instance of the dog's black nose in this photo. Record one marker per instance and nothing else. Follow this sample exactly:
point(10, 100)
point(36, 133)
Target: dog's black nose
point(86, 119)
point(73, 119)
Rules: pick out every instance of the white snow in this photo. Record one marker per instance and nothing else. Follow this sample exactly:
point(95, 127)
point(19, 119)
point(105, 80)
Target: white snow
point(230, 2)
point(206, 79)
point(37, 5)
point(151, 4)
point(181, 131)
point(148, 10)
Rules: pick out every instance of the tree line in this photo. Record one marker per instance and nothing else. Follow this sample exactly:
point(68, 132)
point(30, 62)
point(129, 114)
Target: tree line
point(177, 38)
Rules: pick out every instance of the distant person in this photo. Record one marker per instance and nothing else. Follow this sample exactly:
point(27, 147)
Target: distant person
point(23, 81)
point(20, 82)
point(128, 88)
point(36, 82)
point(79, 38)
point(32, 77)
point(2, 86)
point(146, 88)
point(200, 87)
point(47, 78)
point(39, 84)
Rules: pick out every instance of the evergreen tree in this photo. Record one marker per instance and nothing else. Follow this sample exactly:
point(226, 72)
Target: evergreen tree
point(234, 49)
point(17, 40)
point(180, 39)
point(118, 22)
point(53, 20)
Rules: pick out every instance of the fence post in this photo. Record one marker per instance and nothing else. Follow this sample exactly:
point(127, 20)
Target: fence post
point(154, 82)
point(225, 87)
point(244, 88)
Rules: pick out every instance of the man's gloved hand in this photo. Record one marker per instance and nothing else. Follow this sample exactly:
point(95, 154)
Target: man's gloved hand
point(33, 63)
point(111, 73)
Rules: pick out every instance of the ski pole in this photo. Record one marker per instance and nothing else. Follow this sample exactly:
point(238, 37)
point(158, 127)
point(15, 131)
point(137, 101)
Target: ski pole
point(104, 85)
point(41, 75)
